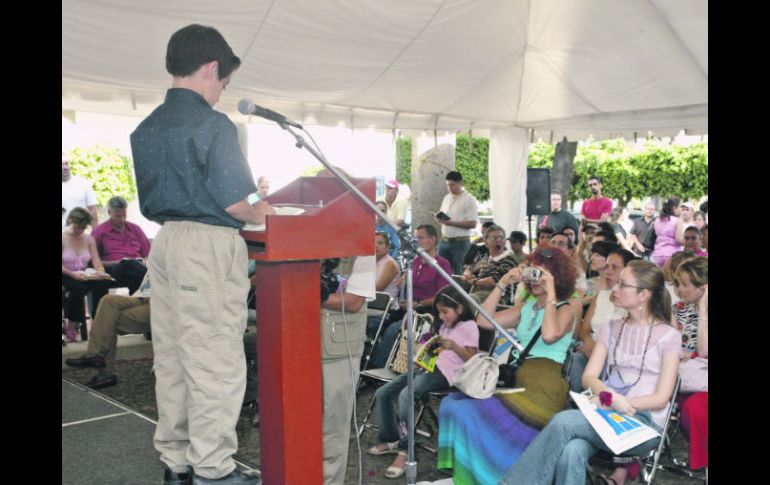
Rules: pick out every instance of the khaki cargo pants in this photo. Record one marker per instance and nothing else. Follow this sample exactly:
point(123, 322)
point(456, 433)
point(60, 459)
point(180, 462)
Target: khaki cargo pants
point(199, 283)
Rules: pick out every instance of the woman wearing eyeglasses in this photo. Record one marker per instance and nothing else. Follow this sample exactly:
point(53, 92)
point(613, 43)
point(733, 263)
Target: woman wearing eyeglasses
point(484, 274)
point(480, 438)
point(642, 354)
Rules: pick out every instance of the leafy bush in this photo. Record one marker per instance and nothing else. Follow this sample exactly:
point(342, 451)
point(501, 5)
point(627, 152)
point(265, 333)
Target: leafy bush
point(109, 171)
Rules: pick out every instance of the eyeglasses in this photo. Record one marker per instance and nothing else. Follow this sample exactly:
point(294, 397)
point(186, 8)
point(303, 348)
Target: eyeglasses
point(622, 284)
point(496, 238)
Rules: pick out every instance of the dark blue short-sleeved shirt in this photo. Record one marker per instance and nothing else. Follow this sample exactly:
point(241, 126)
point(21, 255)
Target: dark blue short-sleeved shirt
point(189, 165)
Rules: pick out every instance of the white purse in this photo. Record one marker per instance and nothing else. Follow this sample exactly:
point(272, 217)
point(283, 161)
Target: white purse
point(478, 376)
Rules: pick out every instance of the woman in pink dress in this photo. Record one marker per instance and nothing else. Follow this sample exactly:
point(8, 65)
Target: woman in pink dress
point(669, 231)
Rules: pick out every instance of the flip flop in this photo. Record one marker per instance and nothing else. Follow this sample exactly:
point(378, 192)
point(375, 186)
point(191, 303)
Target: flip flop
point(395, 472)
point(391, 449)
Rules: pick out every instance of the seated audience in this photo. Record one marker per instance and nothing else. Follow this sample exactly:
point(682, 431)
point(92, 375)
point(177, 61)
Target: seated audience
point(381, 226)
point(601, 311)
point(599, 252)
point(690, 316)
point(123, 246)
point(544, 235)
point(639, 387)
point(115, 315)
point(487, 271)
point(583, 251)
point(478, 249)
point(387, 274)
point(480, 438)
point(517, 240)
point(669, 271)
point(699, 219)
point(704, 238)
point(426, 282)
point(692, 241)
point(77, 250)
point(459, 341)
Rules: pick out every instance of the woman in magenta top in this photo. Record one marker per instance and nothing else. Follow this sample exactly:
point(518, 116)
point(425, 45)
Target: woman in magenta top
point(77, 250)
point(669, 232)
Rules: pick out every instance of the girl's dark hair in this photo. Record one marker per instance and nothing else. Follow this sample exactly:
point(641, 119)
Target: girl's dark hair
point(668, 207)
point(195, 45)
point(451, 298)
point(626, 255)
point(603, 248)
point(650, 277)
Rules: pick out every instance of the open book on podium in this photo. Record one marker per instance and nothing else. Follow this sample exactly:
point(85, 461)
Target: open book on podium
point(619, 432)
point(317, 218)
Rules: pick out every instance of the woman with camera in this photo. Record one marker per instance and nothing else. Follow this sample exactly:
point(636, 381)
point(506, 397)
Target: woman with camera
point(480, 438)
point(642, 353)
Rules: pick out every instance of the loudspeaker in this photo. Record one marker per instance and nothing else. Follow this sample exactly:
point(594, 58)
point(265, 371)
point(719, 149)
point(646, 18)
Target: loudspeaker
point(538, 191)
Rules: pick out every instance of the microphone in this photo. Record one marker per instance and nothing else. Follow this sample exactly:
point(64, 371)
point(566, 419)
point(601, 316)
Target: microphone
point(247, 107)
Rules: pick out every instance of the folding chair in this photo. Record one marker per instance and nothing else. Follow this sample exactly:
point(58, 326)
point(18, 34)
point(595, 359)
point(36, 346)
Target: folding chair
point(384, 375)
point(649, 462)
point(379, 306)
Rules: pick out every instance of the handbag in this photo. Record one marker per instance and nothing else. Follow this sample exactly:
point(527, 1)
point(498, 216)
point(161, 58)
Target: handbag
point(695, 375)
point(478, 376)
point(401, 360)
point(507, 372)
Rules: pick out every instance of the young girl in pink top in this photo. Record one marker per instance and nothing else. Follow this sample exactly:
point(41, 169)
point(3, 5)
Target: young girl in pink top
point(459, 340)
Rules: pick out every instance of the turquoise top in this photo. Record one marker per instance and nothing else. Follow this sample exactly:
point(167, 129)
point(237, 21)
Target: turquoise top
point(531, 320)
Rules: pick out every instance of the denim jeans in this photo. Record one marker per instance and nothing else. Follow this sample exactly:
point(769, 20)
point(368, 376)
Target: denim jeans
point(384, 346)
point(560, 453)
point(395, 430)
point(454, 252)
point(577, 367)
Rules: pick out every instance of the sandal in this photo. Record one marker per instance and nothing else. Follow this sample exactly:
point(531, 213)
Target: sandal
point(394, 471)
point(390, 449)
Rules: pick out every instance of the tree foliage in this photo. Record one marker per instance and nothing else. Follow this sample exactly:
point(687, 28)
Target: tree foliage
point(474, 165)
point(626, 172)
point(109, 171)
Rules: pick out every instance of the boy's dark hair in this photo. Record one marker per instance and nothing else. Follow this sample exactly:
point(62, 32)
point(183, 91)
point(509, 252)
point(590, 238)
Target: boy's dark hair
point(518, 236)
point(454, 176)
point(545, 229)
point(595, 177)
point(626, 255)
point(195, 45)
point(429, 229)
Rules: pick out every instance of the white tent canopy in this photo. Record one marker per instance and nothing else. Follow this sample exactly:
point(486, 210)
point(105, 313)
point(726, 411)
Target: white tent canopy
point(572, 67)
point(558, 67)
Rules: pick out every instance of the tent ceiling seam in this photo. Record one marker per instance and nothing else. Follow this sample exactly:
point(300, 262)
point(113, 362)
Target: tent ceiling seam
point(679, 39)
point(259, 30)
point(558, 123)
point(398, 56)
point(481, 80)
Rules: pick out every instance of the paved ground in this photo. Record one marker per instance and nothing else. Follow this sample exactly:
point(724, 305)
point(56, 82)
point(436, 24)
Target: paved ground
point(136, 389)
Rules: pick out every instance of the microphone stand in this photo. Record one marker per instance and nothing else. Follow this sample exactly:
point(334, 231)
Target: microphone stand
point(408, 253)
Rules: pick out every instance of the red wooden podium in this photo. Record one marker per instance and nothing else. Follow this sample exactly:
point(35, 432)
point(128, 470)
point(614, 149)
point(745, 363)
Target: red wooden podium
point(335, 224)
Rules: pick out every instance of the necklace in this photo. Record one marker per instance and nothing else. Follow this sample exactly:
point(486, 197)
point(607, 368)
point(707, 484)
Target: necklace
point(615, 351)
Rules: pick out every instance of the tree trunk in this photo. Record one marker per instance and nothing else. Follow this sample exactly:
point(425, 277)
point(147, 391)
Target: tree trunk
point(563, 169)
point(428, 182)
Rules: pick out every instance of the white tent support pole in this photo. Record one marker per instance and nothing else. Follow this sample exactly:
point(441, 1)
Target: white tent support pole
point(508, 153)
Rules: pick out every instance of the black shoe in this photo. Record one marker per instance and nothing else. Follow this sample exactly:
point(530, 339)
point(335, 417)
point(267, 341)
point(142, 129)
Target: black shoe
point(92, 360)
point(100, 380)
point(173, 478)
point(236, 477)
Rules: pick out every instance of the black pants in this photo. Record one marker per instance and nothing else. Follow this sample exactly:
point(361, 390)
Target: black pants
point(128, 272)
point(73, 308)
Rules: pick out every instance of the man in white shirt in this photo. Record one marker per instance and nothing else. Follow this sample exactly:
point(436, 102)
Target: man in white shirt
point(76, 192)
point(460, 215)
point(397, 207)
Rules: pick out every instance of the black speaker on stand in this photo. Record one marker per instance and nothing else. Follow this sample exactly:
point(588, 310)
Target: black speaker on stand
point(538, 196)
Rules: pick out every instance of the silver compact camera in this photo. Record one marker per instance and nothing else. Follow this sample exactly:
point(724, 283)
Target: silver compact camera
point(531, 274)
